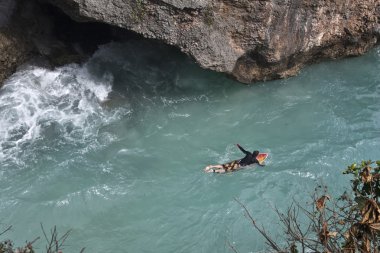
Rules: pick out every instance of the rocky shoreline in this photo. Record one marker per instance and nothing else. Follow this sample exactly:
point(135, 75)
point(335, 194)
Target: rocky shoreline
point(249, 40)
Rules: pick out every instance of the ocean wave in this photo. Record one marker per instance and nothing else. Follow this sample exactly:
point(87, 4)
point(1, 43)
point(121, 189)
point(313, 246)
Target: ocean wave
point(38, 103)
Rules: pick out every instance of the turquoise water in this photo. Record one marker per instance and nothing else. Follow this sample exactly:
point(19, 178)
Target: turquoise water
point(114, 148)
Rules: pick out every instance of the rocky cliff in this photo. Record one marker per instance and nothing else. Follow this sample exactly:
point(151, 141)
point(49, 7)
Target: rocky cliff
point(13, 49)
point(249, 39)
point(30, 30)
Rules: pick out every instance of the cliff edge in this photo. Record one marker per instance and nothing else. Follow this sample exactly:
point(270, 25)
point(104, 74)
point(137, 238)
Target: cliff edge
point(252, 40)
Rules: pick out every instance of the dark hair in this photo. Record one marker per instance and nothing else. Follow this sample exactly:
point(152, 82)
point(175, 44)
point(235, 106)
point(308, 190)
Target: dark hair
point(255, 153)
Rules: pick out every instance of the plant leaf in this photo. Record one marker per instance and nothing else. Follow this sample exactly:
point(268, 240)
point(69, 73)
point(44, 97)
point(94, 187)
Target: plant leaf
point(366, 175)
point(321, 202)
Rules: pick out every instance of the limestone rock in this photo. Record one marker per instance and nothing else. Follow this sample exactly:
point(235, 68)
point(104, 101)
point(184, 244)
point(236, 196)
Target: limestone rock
point(249, 39)
point(13, 52)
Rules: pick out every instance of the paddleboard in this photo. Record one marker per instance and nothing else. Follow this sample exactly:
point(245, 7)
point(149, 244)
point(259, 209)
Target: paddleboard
point(261, 157)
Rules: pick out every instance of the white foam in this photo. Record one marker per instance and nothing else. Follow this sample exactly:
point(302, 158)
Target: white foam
point(36, 102)
point(179, 115)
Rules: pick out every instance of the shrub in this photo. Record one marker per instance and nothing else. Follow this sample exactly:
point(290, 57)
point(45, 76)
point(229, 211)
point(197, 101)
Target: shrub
point(55, 243)
point(348, 224)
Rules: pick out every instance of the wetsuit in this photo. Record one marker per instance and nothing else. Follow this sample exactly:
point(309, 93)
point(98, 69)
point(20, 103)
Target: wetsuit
point(250, 158)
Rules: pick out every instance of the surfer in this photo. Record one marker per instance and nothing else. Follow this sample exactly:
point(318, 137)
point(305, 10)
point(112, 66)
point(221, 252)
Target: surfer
point(250, 158)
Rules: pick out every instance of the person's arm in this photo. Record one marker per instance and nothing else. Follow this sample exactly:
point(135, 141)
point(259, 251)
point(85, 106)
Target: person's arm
point(242, 149)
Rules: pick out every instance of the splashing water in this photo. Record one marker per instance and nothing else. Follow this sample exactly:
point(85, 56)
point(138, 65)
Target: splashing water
point(115, 148)
point(38, 104)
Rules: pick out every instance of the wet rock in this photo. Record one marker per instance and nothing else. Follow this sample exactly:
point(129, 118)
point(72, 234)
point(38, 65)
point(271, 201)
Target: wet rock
point(14, 51)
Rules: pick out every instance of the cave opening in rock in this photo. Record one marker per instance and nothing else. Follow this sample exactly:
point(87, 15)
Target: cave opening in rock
point(87, 35)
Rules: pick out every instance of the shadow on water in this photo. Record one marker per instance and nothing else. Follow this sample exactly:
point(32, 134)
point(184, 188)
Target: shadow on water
point(147, 69)
point(148, 75)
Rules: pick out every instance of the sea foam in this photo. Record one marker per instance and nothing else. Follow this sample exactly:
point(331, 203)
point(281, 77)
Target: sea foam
point(36, 103)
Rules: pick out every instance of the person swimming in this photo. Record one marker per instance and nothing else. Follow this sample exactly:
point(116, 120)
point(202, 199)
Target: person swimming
point(248, 159)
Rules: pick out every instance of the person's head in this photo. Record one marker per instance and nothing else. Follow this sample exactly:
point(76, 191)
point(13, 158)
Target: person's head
point(255, 153)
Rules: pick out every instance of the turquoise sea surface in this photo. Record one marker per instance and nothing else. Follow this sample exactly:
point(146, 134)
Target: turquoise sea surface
point(115, 148)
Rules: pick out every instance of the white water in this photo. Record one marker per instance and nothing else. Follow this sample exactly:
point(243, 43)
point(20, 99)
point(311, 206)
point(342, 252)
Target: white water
point(115, 148)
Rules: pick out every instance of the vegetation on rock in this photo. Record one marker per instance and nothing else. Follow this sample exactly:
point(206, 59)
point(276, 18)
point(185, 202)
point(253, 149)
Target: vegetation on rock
point(348, 224)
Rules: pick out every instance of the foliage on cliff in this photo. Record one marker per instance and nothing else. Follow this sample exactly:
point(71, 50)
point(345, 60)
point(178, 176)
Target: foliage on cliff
point(348, 224)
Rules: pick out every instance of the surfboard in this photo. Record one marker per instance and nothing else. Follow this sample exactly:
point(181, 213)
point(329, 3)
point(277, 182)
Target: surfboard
point(261, 157)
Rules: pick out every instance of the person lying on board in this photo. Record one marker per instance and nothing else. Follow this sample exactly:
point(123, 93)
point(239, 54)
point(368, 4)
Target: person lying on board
point(250, 158)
